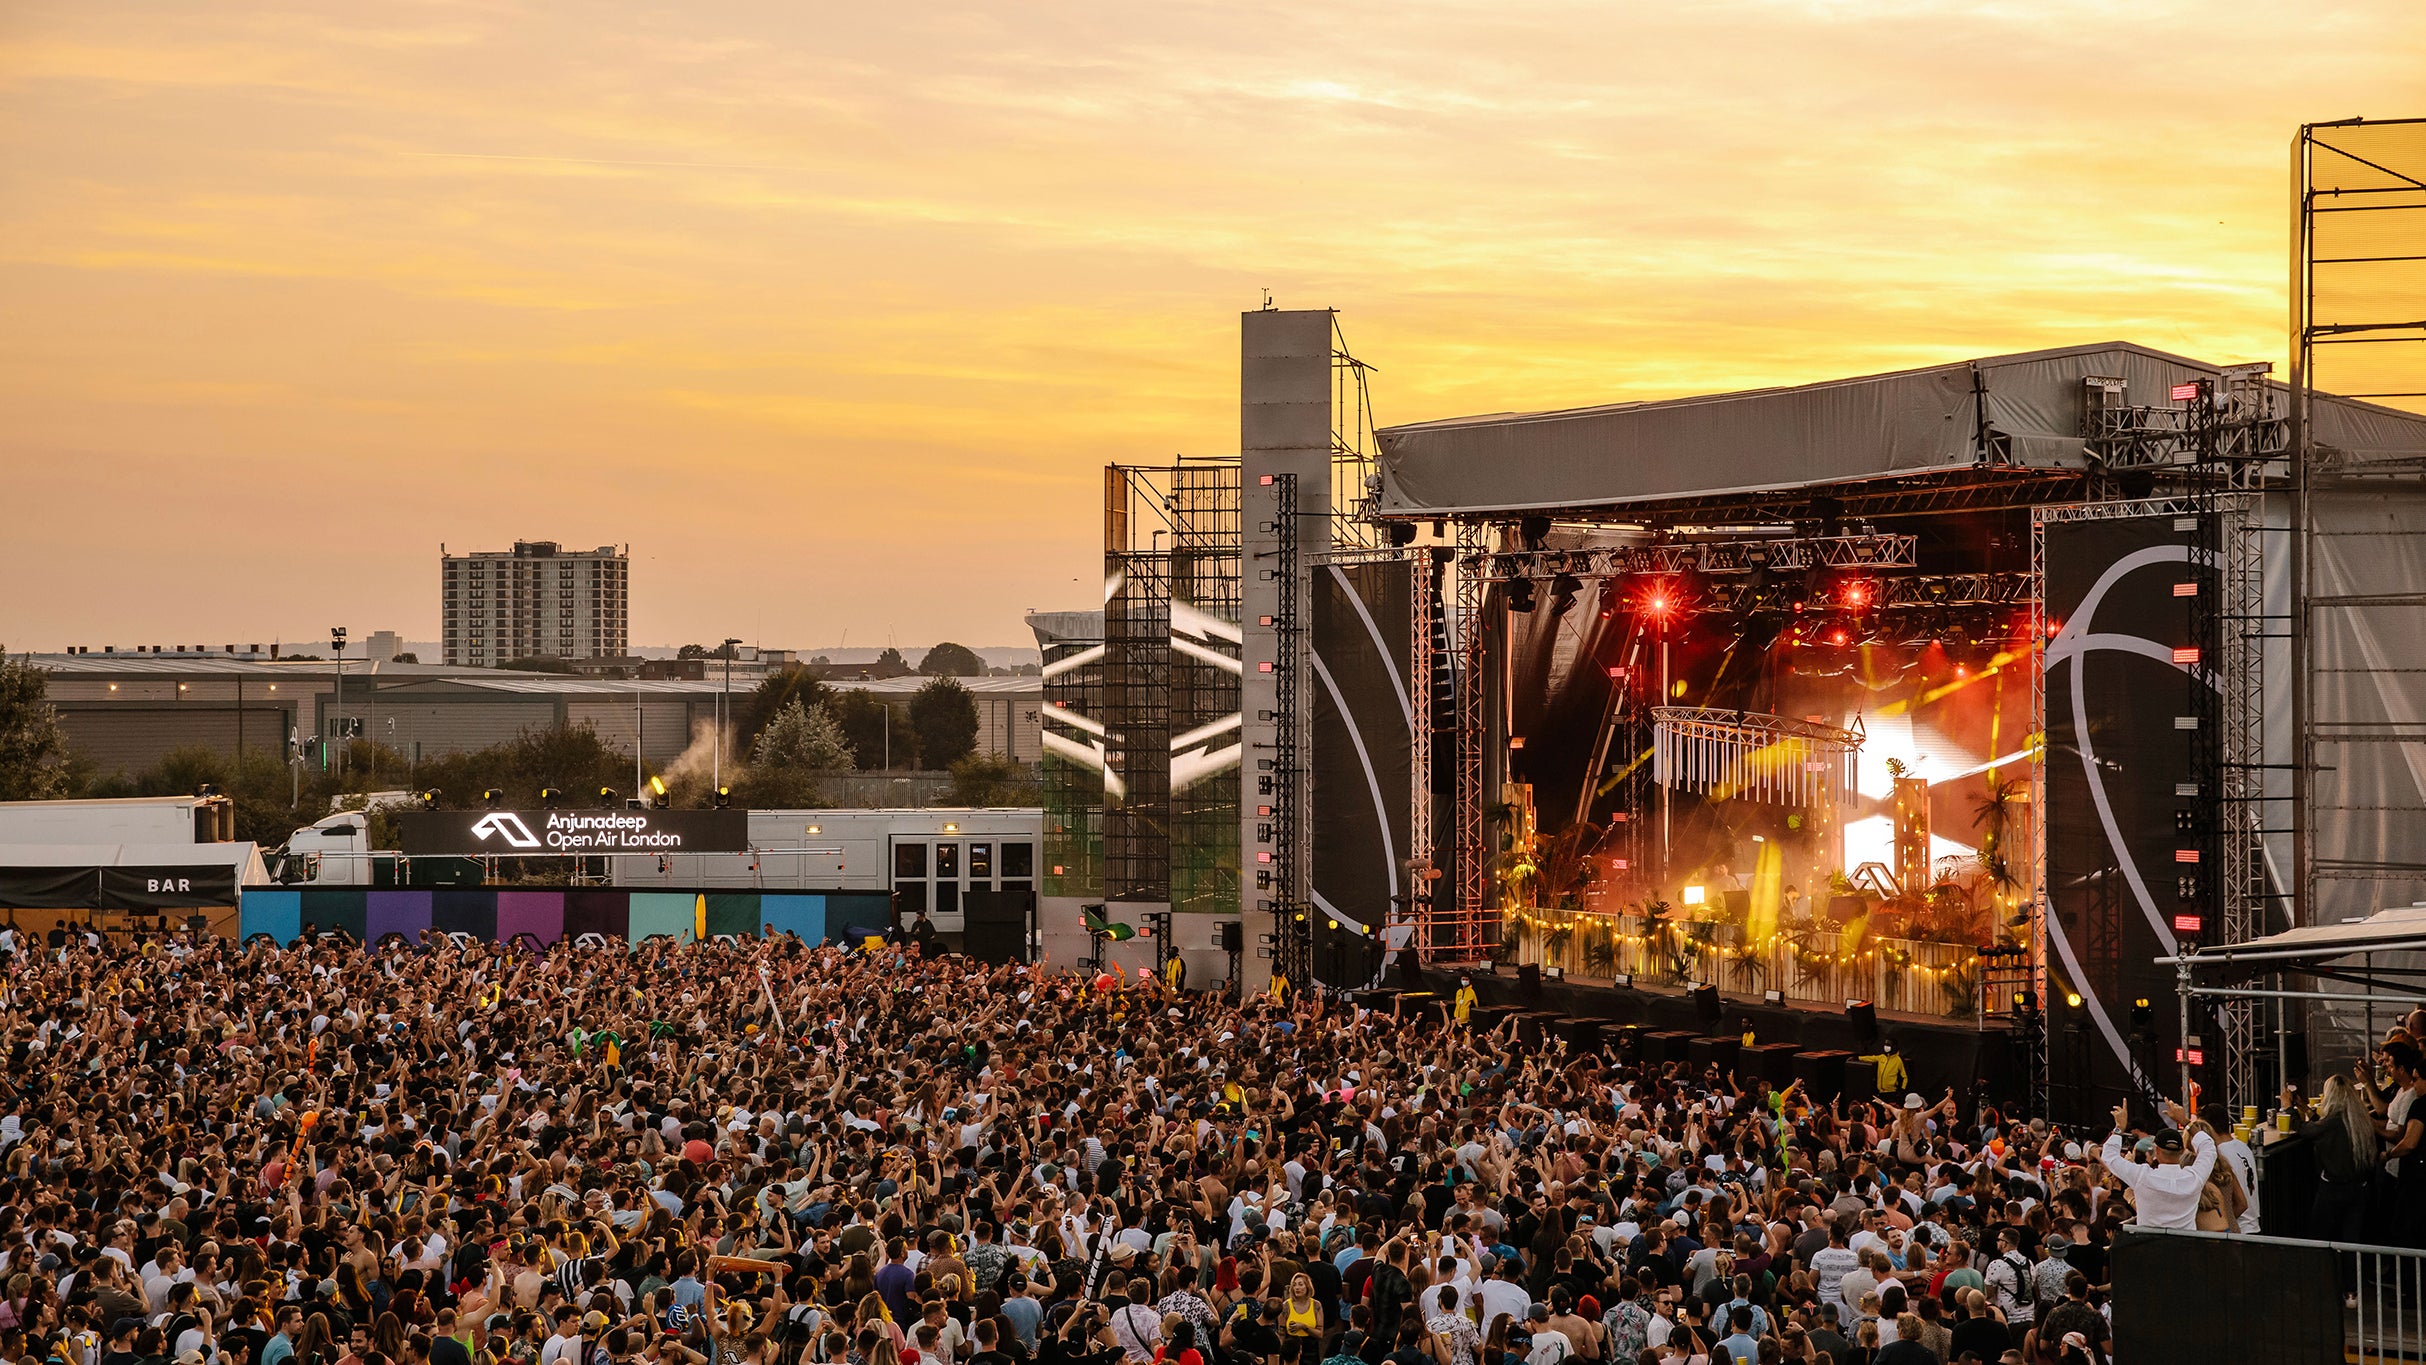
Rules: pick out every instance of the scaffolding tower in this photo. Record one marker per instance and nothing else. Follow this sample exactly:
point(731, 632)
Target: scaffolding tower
point(1169, 685)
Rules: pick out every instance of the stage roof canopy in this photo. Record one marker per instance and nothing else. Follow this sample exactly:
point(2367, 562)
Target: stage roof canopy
point(1843, 431)
point(2399, 929)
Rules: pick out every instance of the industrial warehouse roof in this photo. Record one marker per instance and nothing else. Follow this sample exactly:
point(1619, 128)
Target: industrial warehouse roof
point(558, 684)
point(199, 663)
point(1904, 424)
point(441, 677)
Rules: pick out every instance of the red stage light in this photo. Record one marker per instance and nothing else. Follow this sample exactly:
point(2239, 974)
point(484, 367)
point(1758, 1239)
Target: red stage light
point(2185, 654)
point(1837, 636)
point(1656, 604)
point(1857, 593)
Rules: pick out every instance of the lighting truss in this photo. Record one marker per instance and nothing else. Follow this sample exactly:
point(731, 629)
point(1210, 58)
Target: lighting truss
point(1712, 557)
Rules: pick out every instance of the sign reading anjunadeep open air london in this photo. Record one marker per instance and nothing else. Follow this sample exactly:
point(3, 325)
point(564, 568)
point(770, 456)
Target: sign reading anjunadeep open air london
point(542, 833)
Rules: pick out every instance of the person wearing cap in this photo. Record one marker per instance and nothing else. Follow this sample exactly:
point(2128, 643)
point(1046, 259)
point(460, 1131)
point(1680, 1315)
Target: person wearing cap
point(2164, 1190)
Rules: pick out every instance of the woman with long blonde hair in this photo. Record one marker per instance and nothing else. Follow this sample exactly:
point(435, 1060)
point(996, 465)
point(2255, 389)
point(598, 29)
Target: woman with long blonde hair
point(2343, 1136)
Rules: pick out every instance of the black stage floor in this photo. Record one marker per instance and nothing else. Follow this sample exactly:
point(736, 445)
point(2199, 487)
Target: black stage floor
point(1820, 1046)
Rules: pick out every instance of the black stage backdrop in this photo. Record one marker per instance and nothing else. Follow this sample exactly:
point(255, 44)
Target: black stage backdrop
point(2118, 769)
point(1362, 737)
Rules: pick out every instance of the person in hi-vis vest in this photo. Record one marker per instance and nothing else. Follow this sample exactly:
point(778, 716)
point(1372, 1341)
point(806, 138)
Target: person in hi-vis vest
point(1892, 1077)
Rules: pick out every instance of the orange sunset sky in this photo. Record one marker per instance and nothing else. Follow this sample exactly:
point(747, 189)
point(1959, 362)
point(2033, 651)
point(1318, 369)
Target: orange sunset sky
point(835, 311)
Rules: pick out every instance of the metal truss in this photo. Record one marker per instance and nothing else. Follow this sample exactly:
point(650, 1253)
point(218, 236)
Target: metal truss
point(1972, 488)
point(1454, 930)
point(1712, 557)
point(1423, 607)
point(2230, 425)
point(1292, 932)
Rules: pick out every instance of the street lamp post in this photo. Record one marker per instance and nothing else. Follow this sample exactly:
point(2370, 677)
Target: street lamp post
point(724, 709)
point(337, 698)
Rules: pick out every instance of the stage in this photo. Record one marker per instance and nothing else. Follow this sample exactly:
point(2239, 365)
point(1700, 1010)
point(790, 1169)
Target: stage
point(1974, 1057)
point(1940, 691)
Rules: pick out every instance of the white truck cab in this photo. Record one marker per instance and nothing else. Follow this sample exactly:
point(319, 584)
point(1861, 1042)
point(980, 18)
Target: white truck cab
point(333, 851)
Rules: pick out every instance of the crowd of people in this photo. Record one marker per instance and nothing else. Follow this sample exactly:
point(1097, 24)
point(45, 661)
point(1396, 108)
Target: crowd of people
point(767, 1152)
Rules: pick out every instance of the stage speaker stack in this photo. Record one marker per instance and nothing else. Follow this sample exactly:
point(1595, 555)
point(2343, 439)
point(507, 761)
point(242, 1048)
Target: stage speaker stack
point(1823, 1075)
point(1583, 1035)
point(1771, 1062)
point(1706, 1006)
point(1529, 983)
point(1233, 936)
point(1668, 1045)
point(1718, 1051)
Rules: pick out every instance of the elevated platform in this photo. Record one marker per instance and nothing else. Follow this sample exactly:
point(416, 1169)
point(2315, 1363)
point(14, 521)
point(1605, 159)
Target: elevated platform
point(1819, 1045)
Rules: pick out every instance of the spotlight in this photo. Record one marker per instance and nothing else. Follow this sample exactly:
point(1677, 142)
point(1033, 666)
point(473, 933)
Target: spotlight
point(1773, 997)
point(607, 797)
point(1402, 533)
point(724, 797)
point(1697, 895)
point(429, 799)
point(549, 796)
point(1533, 530)
point(493, 797)
point(2073, 999)
point(1565, 586)
point(1520, 595)
point(1624, 981)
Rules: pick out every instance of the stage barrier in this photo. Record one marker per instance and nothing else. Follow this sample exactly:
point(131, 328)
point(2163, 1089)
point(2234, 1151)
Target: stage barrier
point(544, 915)
point(2230, 1296)
point(1812, 967)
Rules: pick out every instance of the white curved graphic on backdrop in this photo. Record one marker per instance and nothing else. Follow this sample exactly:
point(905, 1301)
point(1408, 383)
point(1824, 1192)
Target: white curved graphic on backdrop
point(1380, 651)
point(1381, 811)
point(2073, 643)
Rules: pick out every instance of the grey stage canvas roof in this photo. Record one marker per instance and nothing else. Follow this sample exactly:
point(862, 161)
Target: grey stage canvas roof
point(1912, 422)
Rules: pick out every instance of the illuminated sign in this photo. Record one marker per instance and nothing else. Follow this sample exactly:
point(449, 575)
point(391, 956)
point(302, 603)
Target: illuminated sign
point(546, 833)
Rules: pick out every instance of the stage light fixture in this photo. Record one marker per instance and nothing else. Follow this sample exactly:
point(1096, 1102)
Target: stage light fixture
point(606, 798)
point(1520, 595)
point(1773, 997)
point(549, 796)
point(1623, 981)
point(2073, 999)
point(1696, 895)
point(493, 797)
point(1533, 530)
point(429, 799)
point(1565, 586)
point(724, 798)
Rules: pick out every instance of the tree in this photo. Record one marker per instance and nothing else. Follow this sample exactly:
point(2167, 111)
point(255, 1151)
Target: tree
point(707, 652)
point(949, 660)
point(802, 736)
point(866, 720)
point(944, 717)
point(33, 747)
point(793, 684)
point(889, 664)
point(992, 780)
point(538, 663)
point(800, 743)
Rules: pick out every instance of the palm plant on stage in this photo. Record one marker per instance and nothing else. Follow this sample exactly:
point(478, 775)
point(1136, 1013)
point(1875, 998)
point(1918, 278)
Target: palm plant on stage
point(1748, 963)
point(1961, 983)
point(1992, 816)
point(1600, 948)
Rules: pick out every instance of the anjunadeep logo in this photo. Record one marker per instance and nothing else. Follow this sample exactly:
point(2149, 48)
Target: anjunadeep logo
point(506, 833)
point(506, 825)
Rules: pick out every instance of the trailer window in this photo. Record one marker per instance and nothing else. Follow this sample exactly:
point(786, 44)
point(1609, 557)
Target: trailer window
point(909, 860)
point(981, 863)
point(1019, 860)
